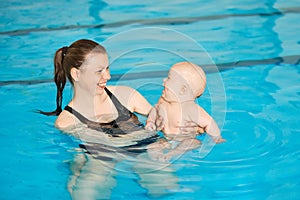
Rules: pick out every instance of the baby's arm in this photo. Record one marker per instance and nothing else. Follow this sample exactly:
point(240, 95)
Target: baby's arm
point(205, 121)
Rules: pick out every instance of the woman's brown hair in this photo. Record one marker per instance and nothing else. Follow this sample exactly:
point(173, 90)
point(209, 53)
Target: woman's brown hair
point(64, 60)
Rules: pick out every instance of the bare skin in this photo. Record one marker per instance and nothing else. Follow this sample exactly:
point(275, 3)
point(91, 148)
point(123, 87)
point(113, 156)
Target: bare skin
point(177, 106)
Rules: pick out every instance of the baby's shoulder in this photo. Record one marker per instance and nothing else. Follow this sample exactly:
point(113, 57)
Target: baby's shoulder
point(163, 106)
point(190, 107)
point(191, 110)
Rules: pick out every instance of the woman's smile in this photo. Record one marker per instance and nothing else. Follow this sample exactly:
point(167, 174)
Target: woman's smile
point(102, 85)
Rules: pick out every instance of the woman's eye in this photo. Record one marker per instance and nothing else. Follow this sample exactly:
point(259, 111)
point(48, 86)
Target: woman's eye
point(101, 70)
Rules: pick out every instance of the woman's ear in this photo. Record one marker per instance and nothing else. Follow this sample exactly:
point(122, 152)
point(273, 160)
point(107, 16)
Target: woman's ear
point(75, 73)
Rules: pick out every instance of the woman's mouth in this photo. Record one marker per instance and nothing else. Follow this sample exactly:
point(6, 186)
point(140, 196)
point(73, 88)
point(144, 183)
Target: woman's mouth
point(102, 85)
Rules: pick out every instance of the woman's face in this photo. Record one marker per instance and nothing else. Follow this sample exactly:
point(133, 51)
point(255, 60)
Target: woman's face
point(94, 73)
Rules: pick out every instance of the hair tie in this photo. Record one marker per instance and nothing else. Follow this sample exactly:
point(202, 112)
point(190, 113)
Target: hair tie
point(63, 53)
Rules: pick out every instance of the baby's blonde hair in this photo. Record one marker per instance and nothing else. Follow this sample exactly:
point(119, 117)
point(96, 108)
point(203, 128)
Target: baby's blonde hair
point(193, 74)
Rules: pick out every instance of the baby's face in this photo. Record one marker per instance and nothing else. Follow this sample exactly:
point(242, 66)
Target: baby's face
point(185, 81)
point(173, 86)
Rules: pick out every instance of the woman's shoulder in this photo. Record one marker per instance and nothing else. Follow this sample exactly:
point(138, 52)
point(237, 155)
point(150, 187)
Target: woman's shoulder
point(120, 88)
point(131, 99)
point(123, 93)
point(65, 120)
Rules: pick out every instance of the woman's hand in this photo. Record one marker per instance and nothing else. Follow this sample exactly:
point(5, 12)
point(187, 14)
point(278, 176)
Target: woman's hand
point(156, 119)
point(150, 125)
point(160, 123)
point(151, 121)
point(191, 127)
point(161, 118)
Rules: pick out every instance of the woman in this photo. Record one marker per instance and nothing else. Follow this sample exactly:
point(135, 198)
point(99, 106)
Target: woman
point(106, 109)
point(113, 132)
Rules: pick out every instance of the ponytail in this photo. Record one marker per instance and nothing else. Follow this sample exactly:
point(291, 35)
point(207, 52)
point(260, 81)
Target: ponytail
point(59, 79)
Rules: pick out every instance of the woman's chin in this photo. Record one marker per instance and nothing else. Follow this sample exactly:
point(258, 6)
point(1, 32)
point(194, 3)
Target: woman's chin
point(99, 89)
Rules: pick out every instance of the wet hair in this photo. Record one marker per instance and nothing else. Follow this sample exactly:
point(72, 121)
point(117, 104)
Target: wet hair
point(64, 60)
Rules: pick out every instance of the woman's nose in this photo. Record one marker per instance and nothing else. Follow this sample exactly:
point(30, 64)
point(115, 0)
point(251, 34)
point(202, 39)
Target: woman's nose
point(106, 74)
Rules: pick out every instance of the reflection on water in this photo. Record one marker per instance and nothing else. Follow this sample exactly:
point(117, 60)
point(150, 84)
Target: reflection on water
point(91, 178)
point(101, 159)
point(95, 177)
point(97, 167)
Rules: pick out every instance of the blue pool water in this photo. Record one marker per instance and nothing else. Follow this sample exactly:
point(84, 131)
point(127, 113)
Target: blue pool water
point(249, 49)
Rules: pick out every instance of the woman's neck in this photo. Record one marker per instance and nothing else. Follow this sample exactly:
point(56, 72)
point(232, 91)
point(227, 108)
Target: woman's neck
point(87, 104)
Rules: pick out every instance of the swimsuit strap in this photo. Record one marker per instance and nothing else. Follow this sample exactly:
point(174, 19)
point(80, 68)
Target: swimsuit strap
point(123, 112)
point(82, 118)
point(126, 122)
point(77, 114)
point(112, 127)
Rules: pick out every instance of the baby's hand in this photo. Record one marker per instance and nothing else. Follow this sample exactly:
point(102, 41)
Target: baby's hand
point(190, 127)
point(218, 139)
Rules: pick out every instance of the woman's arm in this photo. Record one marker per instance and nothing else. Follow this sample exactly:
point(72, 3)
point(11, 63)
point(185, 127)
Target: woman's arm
point(140, 104)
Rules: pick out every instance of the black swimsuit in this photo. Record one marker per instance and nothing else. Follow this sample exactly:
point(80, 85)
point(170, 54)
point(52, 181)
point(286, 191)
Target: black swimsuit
point(125, 123)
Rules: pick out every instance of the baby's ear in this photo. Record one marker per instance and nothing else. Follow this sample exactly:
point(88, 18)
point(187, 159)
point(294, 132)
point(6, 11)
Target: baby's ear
point(184, 89)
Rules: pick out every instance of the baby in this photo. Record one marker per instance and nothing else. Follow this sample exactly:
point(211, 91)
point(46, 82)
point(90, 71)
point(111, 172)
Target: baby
point(176, 106)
